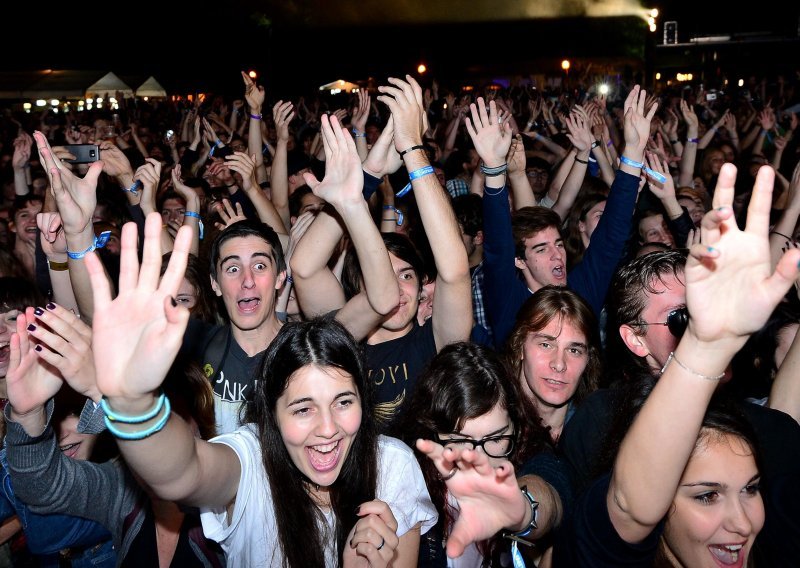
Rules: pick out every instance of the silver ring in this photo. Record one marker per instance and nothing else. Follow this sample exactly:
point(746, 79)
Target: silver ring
point(450, 475)
point(383, 541)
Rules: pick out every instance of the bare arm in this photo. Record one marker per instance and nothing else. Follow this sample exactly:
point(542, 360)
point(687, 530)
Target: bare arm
point(452, 318)
point(279, 173)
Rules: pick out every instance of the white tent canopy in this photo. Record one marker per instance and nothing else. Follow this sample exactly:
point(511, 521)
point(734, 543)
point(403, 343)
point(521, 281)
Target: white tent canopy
point(151, 88)
point(110, 84)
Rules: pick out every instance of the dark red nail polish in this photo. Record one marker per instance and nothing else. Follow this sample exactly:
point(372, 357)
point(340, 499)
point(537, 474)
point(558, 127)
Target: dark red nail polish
point(38, 348)
point(31, 327)
point(38, 311)
point(50, 306)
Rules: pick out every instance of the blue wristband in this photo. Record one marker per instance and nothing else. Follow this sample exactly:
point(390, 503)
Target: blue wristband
point(659, 177)
point(149, 415)
point(397, 212)
point(141, 435)
point(199, 220)
point(632, 163)
point(134, 189)
point(99, 242)
point(357, 134)
point(418, 173)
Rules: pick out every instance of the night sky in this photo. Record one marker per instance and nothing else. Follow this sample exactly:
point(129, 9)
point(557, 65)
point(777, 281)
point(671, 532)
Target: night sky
point(296, 44)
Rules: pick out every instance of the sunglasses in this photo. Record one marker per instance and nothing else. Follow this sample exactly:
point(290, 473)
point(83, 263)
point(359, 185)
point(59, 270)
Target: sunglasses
point(677, 320)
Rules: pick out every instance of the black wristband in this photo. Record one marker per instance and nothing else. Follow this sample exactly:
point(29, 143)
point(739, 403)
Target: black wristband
point(406, 151)
point(577, 159)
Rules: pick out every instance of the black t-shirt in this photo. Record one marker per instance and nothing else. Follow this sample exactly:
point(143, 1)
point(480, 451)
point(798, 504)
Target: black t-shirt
point(778, 438)
point(588, 538)
point(231, 371)
point(394, 367)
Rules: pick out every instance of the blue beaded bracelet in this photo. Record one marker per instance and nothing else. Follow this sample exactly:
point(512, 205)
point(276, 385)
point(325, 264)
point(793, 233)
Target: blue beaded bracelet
point(199, 220)
point(99, 242)
point(141, 435)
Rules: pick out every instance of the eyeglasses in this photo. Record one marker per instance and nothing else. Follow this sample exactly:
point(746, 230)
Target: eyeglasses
point(493, 446)
point(677, 320)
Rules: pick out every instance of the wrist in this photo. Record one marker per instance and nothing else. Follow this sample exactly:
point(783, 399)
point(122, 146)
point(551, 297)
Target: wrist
point(131, 406)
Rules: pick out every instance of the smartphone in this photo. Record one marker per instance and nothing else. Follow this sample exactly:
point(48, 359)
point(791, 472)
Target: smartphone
point(84, 153)
point(169, 136)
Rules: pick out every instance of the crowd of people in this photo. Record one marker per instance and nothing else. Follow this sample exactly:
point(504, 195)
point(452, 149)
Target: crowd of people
point(507, 326)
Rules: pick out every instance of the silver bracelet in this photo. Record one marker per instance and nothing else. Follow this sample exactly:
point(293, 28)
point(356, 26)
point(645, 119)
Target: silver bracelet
point(687, 369)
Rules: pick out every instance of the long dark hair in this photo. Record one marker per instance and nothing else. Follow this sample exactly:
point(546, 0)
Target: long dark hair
point(466, 381)
point(325, 343)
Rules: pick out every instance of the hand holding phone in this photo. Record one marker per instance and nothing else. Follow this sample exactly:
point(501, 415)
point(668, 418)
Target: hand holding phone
point(84, 153)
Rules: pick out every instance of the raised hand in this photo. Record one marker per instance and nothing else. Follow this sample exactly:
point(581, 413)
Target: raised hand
point(228, 215)
point(188, 193)
point(51, 233)
point(245, 166)
point(637, 123)
point(343, 181)
point(138, 333)
point(115, 162)
point(516, 158)
point(766, 118)
point(665, 190)
point(579, 129)
point(692, 122)
point(22, 150)
point(730, 287)
point(491, 138)
point(149, 174)
point(404, 99)
point(65, 343)
point(30, 381)
point(489, 499)
point(383, 157)
point(361, 111)
point(282, 114)
point(75, 197)
point(373, 540)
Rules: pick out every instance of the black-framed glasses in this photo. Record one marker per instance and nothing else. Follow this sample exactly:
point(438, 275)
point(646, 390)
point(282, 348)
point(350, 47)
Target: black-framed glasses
point(677, 320)
point(493, 446)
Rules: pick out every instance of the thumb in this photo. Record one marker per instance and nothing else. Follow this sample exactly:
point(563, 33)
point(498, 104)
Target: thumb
point(94, 172)
point(456, 543)
point(311, 180)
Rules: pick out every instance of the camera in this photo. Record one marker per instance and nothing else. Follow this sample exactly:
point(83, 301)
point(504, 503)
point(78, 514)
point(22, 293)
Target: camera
point(84, 153)
point(711, 96)
point(169, 136)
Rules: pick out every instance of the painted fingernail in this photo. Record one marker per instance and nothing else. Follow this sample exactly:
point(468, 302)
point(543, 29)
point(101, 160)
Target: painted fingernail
point(50, 306)
point(711, 249)
point(38, 348)
point(38, 311)
point(31, 327)
point(174, 302)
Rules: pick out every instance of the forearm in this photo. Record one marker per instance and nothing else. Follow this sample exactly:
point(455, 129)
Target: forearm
point(439, 221)
point(380, 281)
point(61, 284)
point(550, 510)
point(572, 185)
point(521, 190)
point(79, 276)
point(785, 392)
point(266, 209)
point(606, 170)
point(688, 159)
point(316, 247)
point(654, 452)
point(707, 138)
point(560, 176)
point(279, 182)
point(254, 135)
point(193, 206)
point(20, 182)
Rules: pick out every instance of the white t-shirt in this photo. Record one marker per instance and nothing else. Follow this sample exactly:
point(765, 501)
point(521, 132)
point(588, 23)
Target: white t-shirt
point(251, 538)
